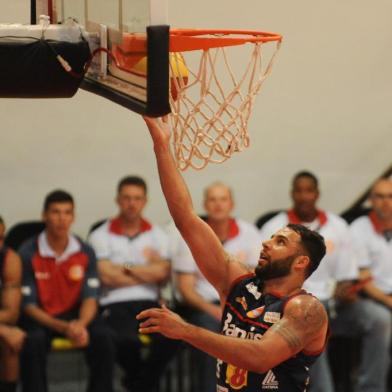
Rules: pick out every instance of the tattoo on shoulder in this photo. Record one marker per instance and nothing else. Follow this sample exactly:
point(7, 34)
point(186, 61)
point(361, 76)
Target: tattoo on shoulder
point(300, 322)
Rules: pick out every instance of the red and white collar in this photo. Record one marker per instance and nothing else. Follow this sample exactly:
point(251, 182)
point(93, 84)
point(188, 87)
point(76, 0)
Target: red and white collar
point(115, 226)
point(376, 222)
point(45, 250)
point(294, 218)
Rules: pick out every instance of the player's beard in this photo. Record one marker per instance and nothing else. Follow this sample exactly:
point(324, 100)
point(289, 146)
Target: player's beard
point(275, 269)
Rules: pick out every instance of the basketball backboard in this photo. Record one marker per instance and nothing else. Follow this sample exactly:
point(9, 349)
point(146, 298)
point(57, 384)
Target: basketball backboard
point(132, 37)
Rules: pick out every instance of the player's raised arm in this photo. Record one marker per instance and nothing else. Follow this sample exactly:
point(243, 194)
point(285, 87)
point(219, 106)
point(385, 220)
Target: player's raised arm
point(207, 250)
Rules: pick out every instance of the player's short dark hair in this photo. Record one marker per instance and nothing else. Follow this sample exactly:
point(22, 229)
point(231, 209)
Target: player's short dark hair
point(2, 221)
point(57, 196)
point(305, 174)
point(313, 244)
point(132, 180)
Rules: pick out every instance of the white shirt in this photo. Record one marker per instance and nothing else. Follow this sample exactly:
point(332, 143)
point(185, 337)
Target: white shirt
point(243, 242)
point(373, 252)
point(110, 244)
point(338, 264)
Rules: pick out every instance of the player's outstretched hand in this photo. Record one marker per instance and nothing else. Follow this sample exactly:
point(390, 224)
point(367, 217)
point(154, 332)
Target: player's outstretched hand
point(164, 321)
point(159, 129)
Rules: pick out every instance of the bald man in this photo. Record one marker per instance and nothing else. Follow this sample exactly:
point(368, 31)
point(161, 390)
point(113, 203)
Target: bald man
point(199, 298)
point(372, 236)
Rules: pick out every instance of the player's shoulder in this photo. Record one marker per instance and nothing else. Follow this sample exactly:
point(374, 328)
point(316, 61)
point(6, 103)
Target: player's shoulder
point(307, 310)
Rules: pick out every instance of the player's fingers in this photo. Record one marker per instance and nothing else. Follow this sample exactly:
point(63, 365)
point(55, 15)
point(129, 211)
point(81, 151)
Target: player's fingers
point(153, 329)
point(149, 322)
point(148, 313)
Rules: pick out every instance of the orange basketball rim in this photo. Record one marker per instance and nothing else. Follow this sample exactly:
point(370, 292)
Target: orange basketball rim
point(210, 100)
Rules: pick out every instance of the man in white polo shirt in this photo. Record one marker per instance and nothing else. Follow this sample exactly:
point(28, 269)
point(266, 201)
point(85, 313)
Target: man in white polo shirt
point(372, 236)
point(132, 255)
point(199, 298)
point(332, 282)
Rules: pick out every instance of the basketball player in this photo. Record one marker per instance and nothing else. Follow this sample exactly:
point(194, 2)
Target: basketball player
point(272, 330)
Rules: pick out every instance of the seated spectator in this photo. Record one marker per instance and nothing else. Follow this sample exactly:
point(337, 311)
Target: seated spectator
point(11, 337)
point(60, 288)
point(199, 298)
point(349, 316)
point(132, 256)
point(372, 236)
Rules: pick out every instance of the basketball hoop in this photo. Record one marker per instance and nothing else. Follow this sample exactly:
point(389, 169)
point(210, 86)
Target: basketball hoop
point(210, 100)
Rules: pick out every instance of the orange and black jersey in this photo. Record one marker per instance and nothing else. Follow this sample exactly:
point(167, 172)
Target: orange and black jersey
point(247, 315)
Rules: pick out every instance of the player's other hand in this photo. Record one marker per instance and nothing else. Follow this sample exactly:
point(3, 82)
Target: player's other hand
point(159, 129)
point(162, 320)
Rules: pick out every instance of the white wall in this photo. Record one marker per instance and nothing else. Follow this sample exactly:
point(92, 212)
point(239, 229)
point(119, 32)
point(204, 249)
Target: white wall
point(326, 107)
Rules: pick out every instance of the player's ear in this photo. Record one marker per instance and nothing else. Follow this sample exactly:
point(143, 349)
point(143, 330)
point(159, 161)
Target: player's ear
point(302, 262)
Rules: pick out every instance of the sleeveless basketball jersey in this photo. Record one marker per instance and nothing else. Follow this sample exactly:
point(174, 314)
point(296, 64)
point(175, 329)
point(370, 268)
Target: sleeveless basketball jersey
point(247, 315)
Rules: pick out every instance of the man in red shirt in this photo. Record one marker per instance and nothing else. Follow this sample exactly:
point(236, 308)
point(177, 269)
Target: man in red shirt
point(60, 287)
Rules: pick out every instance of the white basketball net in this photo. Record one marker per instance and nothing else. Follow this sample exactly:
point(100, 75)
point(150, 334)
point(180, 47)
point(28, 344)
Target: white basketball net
point(211, 113)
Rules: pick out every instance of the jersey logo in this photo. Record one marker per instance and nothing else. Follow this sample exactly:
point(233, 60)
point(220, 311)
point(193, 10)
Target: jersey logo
point(242, 301)
point(236, 377)
point(256, 312)
point(270, 382)
point(231, 329)
point(252, 288)
point(76, 273)
point(272, 317)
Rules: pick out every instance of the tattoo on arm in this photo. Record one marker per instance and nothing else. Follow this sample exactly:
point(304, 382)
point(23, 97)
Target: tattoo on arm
point(301, 322)
point(289, 335)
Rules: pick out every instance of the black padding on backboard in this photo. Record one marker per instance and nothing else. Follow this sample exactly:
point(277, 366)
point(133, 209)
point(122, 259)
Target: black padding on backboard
point(29, 68)
point(157, 78)
point(158, 70)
